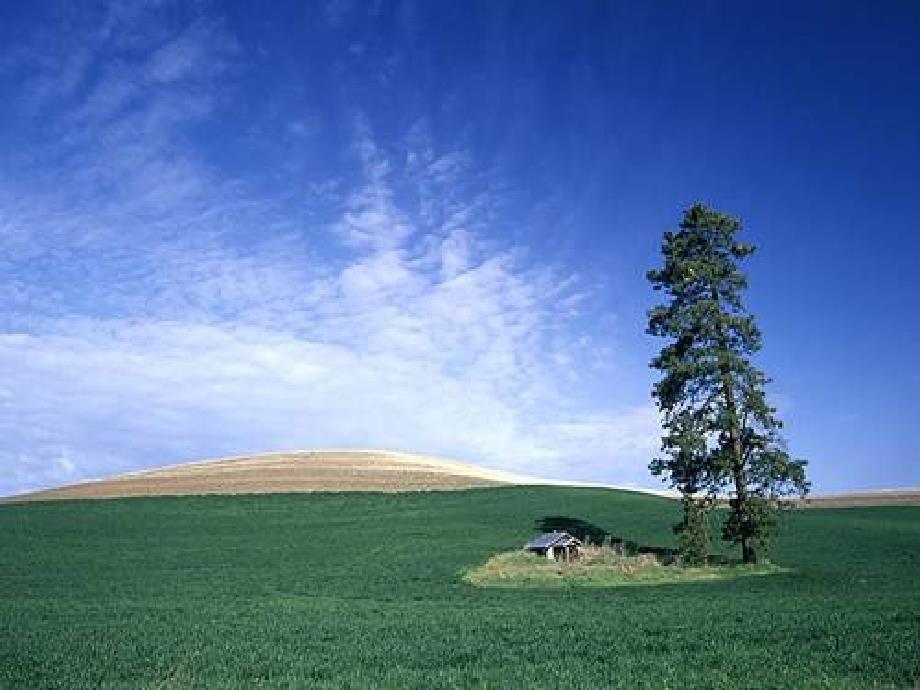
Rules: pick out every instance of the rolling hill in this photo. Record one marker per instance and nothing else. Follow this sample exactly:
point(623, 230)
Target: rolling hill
point(302, 471)
point(296, 471)
point(358, 470)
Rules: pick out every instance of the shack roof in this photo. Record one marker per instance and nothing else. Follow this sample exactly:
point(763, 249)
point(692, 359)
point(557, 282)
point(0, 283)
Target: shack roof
point(550, 539)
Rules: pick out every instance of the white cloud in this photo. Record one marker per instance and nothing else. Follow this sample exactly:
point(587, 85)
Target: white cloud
point(161, 311)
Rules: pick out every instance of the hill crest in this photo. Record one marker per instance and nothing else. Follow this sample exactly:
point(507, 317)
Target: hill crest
point(300, 471)
point(305, 471)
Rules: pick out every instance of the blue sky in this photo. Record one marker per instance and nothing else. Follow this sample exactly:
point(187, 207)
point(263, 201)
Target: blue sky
point(228, 228)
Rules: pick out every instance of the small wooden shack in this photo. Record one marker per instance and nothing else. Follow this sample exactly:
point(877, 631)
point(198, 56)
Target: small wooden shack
point(555, 545)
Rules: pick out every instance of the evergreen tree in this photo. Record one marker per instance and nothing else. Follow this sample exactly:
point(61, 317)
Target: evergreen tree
point(721, 435)
point(693, 531)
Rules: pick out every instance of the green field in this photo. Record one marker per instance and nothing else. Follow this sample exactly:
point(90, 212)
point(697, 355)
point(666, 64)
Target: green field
point(364, 590)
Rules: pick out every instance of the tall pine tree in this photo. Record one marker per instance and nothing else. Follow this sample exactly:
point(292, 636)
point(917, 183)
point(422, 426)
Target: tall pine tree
point(721, 436)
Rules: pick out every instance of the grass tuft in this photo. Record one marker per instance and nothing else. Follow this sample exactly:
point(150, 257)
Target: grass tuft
point(600, 566)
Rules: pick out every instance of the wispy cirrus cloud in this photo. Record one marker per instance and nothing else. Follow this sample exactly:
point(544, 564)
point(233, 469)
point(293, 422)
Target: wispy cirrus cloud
point(162, 308)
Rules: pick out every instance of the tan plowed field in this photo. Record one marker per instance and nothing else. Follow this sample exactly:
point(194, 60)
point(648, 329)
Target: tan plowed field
point(357, 470)
point(893, 497)
point(338, 470)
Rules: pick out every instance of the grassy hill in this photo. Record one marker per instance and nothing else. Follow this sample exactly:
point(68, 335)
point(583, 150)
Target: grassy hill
point(364, 590)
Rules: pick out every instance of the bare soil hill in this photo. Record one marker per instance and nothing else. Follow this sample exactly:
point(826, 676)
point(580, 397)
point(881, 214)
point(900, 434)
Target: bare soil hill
point(884, 497)
point(331, 470)
point(356, 470)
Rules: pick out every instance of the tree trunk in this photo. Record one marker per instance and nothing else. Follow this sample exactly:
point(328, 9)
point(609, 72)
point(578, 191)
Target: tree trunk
point(748, 555)
point(734, 437)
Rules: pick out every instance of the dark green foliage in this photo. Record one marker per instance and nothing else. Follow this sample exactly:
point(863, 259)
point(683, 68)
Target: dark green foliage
point(364, 591)
point(720, 432)
point(693, 531)
point(755, 518)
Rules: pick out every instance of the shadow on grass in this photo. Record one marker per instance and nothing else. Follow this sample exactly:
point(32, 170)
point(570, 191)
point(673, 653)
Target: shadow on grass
point(591, 534)
point(587, 532)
